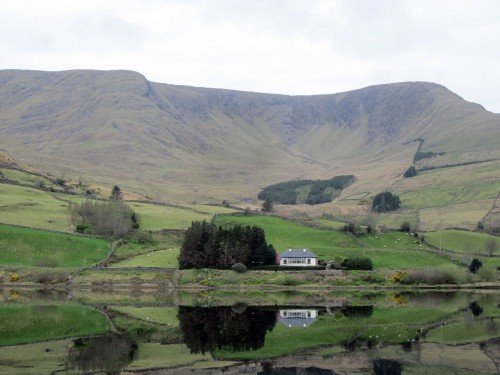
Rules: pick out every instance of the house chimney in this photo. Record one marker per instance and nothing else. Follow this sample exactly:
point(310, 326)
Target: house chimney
point(304, 250)
point(289, 249)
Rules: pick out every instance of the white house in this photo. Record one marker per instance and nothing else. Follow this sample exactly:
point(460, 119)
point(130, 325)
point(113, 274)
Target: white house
point(298, 317)
point(298, 258)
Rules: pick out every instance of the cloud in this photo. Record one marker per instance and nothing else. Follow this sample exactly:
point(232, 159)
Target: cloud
point(282, 46)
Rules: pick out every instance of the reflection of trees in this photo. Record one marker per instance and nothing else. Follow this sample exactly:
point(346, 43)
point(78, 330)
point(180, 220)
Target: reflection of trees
point(208, 328)
point(387, 367)
point(109, 354)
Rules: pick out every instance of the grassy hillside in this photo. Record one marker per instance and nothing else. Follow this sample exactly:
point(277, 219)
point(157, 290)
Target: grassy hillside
point(31, 207)
point(461, 241)
point(391, 251)
point(42, 209)
point(22, 247)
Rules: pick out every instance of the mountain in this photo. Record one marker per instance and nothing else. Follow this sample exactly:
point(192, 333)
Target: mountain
point(184, 144)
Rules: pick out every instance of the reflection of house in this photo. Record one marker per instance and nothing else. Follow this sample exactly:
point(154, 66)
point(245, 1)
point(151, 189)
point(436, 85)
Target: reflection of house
point(298, 317)
point(298, 257)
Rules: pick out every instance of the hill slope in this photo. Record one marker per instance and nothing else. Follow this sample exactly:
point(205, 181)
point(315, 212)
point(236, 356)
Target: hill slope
point(182, 143)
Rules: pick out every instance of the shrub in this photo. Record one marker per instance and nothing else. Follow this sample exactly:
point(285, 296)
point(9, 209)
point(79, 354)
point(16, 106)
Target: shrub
point(399, 277)
point(239, 268)
point(385, 201)
point(289, 281)
point(143, 237)
point(410, 172)
point(351, 228)
point(405, 227)
point(438, 275)
point(61, 182)
point(358, 311)
point(82, 228)
point(358, 264)
point(267, 206)
point(49, 278)
point(475, 265)
point(14, 277)
point(339, 258)
point(52, 263)
point(487, 273)
point(373, 278)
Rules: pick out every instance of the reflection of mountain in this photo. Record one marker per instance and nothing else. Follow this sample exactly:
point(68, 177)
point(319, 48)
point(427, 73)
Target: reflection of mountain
point(298, 317)
point(208, 328)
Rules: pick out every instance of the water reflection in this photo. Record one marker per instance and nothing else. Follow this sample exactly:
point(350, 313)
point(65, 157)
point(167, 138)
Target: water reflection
point(109, 354)
point(298, 317)
point(389, 333)
point(205, 329)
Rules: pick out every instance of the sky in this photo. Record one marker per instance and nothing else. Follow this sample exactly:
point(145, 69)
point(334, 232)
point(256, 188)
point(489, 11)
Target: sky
point(278, 46)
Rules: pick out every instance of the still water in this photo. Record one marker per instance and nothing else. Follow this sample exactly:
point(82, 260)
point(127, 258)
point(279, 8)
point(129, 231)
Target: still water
point(245, 333)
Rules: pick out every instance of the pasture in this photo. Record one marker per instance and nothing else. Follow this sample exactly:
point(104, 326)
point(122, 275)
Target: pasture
point(390, 250)
point(461, 241)
point(33, 208)
point(156, 217)
point(22, 247)
point(160, 258)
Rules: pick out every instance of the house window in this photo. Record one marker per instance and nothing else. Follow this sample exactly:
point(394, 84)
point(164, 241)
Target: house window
point(284, 261)
point(308, 261)
point(297, 260)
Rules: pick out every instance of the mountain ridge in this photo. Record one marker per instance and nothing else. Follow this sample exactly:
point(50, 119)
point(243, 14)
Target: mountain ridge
point(116, 126)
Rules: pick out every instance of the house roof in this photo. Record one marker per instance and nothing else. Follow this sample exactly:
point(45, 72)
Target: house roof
point(297, 253)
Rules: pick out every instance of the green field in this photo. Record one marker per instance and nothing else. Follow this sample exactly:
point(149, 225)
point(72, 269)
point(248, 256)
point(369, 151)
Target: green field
point(160, 258)
point(22, 247)
point(392, 250)
point(156, 217)
point(461, 241)
point(33, 208)
point(25, 324)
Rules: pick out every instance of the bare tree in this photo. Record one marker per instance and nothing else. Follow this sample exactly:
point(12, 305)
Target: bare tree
point(110, 219)
point(491, 246)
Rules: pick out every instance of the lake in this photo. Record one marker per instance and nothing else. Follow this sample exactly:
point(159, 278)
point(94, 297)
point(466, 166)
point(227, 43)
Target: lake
point(215, 332)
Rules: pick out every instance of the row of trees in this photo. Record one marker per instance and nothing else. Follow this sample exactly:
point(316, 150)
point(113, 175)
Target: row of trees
point(207, 245)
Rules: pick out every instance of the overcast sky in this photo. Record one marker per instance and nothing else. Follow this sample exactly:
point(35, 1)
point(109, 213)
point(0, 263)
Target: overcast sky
point(279, 46)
